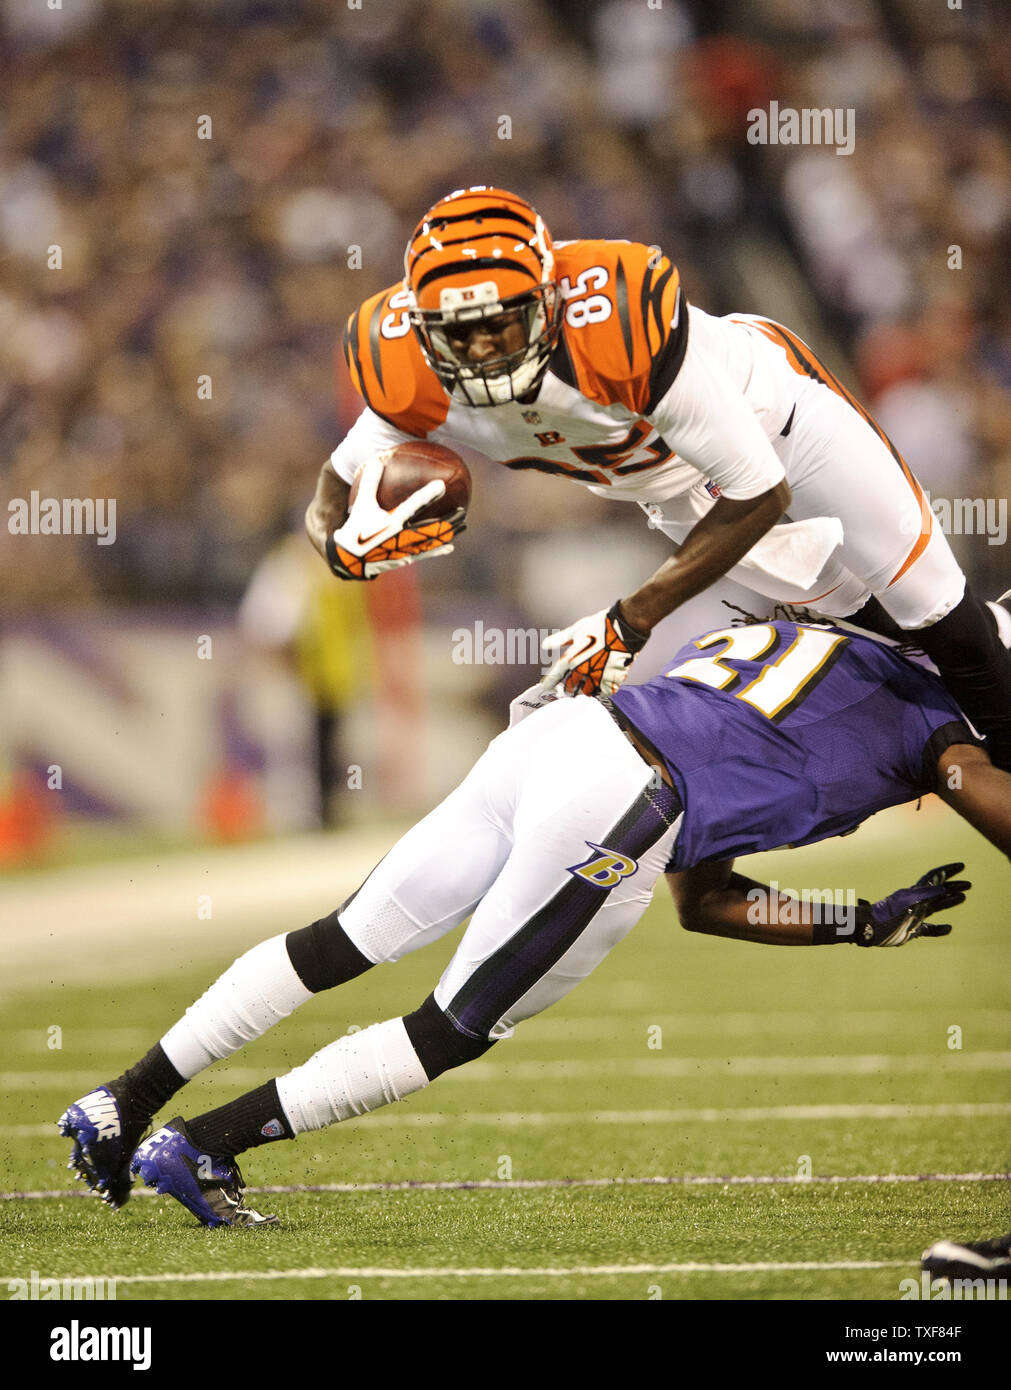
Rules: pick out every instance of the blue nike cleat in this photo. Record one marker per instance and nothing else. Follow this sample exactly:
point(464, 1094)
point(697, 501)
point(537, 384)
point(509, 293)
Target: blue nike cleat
point(103, 1144)
point(207, 1185)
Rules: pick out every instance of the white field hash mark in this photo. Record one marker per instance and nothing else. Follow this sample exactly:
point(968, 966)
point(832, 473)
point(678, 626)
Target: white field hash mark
point(519, 1119)
point(223, 1276)
point(846, 1064)
point(859, 1064)
point(639, 1000)
point(534, 1184)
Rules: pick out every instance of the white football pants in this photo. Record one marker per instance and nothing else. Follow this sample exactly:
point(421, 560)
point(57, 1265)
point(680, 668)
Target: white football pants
point(838, 465)
point(554, 842)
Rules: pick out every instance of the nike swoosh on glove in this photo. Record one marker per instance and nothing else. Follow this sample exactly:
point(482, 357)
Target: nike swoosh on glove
point(596, 653)
point(901, 916)
point(373, 540)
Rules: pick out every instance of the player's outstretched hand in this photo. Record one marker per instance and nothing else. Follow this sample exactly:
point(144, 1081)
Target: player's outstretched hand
point(373, 540)
point(902, 915)
point(595, 653)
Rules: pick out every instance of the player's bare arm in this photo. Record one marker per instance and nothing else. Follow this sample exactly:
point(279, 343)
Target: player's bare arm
point(722, 538)
point(711, 899)
point(328, 509)
point(972, 786)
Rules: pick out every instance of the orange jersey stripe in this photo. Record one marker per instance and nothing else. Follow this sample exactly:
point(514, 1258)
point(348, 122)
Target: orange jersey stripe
point(625, 327)
point(387, 369)
point(807, 363)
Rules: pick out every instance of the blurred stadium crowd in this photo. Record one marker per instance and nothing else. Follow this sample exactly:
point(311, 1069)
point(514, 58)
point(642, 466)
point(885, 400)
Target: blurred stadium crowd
point(333, 128)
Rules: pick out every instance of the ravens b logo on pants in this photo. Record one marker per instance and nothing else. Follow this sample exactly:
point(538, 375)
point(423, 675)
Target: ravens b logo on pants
point(605, 867)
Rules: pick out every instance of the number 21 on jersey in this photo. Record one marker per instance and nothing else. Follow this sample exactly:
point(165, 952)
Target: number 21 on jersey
point(782, 684)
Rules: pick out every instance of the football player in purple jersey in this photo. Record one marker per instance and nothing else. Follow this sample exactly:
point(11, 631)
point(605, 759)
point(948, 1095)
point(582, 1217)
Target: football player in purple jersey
point(755, 737)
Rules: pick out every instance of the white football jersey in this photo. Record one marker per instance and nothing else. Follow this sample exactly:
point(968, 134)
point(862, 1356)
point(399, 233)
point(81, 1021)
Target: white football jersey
point(645, 397)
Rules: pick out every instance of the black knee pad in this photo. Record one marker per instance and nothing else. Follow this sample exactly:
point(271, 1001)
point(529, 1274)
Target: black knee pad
point(324, 955)
point(438, 1042)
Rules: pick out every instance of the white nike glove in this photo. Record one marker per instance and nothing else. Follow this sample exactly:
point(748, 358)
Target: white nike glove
point(596, 653)
point(373, 540)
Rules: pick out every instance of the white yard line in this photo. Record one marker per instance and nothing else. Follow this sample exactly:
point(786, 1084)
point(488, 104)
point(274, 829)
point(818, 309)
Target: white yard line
point(563, 1027)
point(219, 1276)
point(519, 1119)
point(538, 1184)
point(709, 1115)
point(863, 1064)
point(869, 1064)
point(43, 1079)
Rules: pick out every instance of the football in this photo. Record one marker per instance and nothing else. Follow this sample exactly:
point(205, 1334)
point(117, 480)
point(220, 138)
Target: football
point(410, 466)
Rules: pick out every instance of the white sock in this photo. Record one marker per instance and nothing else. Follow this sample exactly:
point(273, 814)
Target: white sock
point(352, 1076)
point(260, 988)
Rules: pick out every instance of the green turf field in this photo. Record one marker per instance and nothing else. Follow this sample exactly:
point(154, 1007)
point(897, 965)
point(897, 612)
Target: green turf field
point(708, 1063)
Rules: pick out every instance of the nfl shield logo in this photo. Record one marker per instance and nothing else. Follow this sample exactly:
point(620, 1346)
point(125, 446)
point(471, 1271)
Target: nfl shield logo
point(273, 1129)
point(531, 417)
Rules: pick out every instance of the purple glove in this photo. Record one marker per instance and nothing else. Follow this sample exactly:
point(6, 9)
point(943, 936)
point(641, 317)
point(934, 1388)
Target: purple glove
point(901, 916)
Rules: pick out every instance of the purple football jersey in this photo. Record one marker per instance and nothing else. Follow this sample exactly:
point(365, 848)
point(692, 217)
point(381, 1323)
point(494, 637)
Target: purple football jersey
point(784, 733)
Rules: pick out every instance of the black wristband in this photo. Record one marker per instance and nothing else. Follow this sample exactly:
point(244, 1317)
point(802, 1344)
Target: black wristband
point(827, 934)
point(332, 558)
point(340, 570)
point(836, 933)
point(864, 934)
point(633, 640)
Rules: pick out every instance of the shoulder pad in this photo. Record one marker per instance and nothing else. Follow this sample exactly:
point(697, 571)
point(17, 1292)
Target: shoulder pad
point(387, 368)
point(625, 326)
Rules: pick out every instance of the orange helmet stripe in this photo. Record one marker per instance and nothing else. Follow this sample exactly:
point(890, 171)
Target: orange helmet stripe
point(492, 233)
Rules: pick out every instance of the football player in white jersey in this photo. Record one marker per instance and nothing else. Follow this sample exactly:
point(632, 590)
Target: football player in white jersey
point(584, 359)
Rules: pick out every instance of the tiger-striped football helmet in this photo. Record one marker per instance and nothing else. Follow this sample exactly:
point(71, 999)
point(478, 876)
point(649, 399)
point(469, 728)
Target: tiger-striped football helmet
point(483, 255)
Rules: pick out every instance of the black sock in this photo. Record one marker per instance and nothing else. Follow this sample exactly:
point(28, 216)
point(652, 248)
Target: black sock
point(145, 1088)
point(976, 667)
point(255, 1118)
